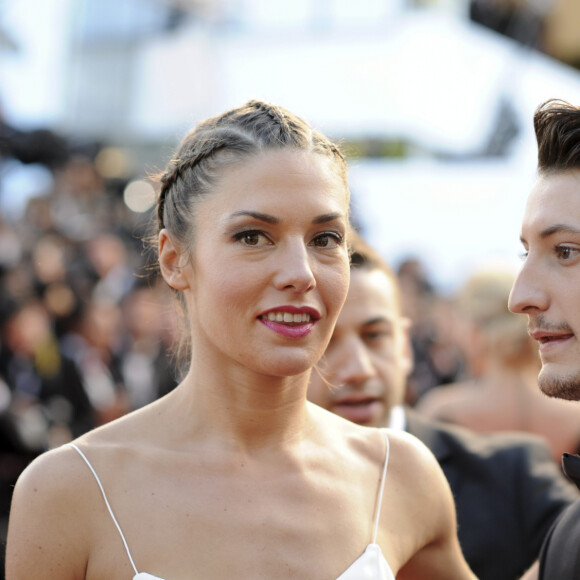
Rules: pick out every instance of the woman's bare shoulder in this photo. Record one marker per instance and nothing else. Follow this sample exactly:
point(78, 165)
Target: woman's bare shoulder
point(63, 472)
point(138, 428)
point(52, 473)
point(414, 467)
point(47, 518)
point(371, 441)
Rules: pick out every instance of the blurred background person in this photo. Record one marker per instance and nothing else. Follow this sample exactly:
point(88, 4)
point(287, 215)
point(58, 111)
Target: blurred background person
point(437, 360)
point(507, 489)
point(93, 343)
point(499, 392)
point(47, 396)
point(146, 369)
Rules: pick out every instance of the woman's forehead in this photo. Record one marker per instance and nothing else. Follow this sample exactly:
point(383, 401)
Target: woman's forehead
point(279, 180)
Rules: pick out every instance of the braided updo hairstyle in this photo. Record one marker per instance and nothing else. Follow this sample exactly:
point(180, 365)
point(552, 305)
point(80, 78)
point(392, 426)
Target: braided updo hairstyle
point(222, 141)
point(219, 143)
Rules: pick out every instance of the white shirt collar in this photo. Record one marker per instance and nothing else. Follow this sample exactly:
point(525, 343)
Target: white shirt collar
point(397, 418)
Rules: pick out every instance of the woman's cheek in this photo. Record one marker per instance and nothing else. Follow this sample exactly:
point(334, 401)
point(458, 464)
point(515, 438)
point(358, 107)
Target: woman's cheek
point(339, 288)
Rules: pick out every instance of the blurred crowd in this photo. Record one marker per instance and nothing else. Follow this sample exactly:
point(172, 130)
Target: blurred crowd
point(85, 326)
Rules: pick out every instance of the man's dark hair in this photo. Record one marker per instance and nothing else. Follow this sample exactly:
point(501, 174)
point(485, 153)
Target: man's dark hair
point(557, 126)
point(362, 255)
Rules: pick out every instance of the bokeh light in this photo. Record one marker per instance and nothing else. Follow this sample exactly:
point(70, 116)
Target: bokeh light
point(139, 196)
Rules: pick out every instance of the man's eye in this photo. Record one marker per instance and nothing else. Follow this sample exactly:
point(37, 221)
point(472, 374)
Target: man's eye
point(376, 335)
point(566, 253)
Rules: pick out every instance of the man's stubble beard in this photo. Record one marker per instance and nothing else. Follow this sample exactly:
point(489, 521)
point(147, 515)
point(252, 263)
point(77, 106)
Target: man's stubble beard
point(560, 387)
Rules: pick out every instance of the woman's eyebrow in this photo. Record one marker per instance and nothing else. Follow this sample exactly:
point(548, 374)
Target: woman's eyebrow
point(327, 217)
point(264, 217)
point(270, 219)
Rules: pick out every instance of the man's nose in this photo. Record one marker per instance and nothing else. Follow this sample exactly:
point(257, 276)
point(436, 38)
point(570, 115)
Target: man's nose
point(355, 364)
point(529, 292)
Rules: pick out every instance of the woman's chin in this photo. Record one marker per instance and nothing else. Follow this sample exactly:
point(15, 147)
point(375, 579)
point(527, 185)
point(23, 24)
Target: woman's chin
point(286, 366)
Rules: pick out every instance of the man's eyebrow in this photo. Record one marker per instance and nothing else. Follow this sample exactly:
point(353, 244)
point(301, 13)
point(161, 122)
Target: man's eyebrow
point(557, 229)
point(377, 320)
point(264, 217)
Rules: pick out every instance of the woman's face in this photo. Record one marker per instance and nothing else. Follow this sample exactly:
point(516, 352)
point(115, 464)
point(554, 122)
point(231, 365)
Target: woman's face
point(269, 268)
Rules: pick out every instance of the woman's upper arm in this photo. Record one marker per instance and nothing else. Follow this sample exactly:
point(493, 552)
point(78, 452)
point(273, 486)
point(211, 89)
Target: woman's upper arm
point(439, 555)
point(47, 535)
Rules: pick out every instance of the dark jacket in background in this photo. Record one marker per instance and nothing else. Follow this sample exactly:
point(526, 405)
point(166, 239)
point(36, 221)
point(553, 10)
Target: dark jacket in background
point(508, 492)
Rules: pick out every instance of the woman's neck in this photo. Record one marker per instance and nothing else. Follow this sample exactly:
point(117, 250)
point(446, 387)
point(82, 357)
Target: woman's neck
point(243, 407)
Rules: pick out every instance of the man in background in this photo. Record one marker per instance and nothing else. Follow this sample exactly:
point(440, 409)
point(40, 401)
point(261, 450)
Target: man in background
point(507, 489)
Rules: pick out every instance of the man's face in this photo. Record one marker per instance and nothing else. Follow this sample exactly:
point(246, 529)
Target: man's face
point(364, 370)
point(547, 288)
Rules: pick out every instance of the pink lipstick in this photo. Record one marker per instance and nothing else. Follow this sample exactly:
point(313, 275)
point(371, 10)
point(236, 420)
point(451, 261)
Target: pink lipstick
point(290, 321)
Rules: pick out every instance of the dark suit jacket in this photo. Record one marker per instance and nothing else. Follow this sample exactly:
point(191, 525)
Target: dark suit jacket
point(560, 556)
point(508, 491)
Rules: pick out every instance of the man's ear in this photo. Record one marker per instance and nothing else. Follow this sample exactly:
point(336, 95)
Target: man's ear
point(171, 262)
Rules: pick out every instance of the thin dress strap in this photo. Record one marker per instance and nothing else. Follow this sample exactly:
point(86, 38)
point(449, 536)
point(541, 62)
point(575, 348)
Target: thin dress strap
point(382, 488)
point(107, 504)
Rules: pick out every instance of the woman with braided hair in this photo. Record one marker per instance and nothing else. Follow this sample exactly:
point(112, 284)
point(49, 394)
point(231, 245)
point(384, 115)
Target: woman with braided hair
point(233, 473)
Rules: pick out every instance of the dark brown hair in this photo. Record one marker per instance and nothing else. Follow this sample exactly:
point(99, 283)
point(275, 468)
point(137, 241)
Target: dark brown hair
point(363, 257)
point(557, 127)
point(222, 141)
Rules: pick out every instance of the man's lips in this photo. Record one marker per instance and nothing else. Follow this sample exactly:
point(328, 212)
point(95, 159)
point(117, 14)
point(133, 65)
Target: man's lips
point(550, 339)
point(356, 400)
point(361, 409)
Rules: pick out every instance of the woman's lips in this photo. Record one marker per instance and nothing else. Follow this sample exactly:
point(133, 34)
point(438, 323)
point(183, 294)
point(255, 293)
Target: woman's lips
point(291, 330)
point(290, 321)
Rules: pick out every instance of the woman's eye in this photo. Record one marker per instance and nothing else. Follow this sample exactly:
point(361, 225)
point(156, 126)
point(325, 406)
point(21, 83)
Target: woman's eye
point(327, 240)
point(251, 238)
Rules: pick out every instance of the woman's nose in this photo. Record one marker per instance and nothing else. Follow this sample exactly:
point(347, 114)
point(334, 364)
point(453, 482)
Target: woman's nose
point(295, 270)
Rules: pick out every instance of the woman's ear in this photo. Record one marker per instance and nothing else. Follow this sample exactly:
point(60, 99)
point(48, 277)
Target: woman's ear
point(170, 262)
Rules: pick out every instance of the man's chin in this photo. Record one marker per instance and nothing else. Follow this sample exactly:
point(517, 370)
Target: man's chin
point(559, 386)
